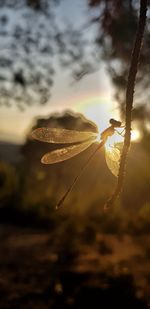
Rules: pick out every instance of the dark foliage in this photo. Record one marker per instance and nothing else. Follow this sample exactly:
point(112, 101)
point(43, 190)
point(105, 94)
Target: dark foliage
point(117, 24)
point(33, 42)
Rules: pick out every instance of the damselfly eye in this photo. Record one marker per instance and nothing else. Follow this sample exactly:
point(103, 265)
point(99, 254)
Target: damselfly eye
point(115, 123)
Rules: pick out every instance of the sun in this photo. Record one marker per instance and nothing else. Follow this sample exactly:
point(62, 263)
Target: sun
point(135, 135)
point(99, 110)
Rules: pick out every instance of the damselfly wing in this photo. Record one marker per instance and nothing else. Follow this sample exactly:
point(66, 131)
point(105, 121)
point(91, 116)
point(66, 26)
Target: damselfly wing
point(79, 141)
point(62, 136)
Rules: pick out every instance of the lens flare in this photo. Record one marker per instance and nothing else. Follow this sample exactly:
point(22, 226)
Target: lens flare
point(135, 135)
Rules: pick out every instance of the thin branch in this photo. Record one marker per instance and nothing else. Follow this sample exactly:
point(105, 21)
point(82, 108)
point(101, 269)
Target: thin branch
point(129, 101)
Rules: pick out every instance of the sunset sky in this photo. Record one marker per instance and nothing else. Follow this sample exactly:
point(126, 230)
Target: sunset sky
point(92, 96)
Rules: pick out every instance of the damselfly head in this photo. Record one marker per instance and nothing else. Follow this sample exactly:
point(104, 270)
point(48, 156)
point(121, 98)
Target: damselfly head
point(115, 123)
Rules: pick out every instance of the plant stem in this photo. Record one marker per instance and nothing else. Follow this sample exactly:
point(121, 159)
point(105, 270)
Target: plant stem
point(129, 101)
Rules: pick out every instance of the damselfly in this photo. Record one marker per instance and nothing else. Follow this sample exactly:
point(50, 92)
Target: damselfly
point(79, 141)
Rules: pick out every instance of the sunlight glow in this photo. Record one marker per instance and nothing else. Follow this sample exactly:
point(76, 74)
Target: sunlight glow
point(113, 149)
point(99, 110)
point(114, 139)
point(119, 139)
point(135, 135)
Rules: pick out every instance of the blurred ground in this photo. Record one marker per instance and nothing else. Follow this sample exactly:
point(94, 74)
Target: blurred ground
point(73, 269)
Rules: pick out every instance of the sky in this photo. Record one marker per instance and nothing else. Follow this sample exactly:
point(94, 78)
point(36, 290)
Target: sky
point(92, 96)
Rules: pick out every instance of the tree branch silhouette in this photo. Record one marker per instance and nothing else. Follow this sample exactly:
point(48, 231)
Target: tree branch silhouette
point(135, 56)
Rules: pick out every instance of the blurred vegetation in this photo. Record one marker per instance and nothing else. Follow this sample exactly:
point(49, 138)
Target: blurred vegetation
point(34, 42)
point(8, 182)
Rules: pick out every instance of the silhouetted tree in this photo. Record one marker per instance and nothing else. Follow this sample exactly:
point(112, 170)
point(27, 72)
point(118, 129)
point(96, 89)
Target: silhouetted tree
point(116, 26)
point(33, 41)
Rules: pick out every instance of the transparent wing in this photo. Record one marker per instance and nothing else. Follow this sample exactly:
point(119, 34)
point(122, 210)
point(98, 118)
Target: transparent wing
point(62, 136)
point(65, 153)
point(113, 154)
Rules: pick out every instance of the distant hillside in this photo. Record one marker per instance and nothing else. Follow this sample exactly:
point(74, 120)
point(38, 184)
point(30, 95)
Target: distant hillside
point(10, 152)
